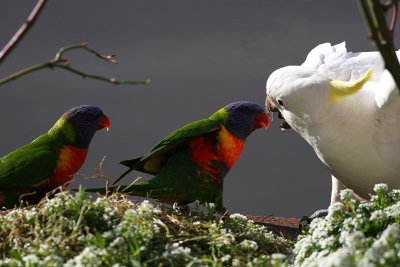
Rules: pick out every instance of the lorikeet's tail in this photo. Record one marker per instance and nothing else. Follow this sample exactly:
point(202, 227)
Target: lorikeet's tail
point(128, 163)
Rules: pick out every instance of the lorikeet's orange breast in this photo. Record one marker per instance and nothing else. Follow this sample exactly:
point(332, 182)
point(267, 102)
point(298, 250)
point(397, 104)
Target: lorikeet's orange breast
point(229, 147)
point(70, 161)
point(216, 154)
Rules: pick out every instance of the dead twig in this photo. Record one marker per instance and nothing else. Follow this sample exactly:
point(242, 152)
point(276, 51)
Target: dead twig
point(99, 175)
point(30, 21)
point(59, 62)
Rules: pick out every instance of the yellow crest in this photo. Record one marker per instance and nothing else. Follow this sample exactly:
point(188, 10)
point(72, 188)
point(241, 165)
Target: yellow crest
point(344, 88)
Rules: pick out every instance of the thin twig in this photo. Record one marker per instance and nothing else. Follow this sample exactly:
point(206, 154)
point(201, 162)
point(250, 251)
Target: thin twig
point(62, 50)
point(30, 21)
point(374, 15)
point(59, 62)
point(84, 45)
point(24, 72)
point(394, 18)
point(97, 77)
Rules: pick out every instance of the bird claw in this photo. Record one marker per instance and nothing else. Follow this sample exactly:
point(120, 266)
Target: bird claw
point(305, 221)
point(221, 213)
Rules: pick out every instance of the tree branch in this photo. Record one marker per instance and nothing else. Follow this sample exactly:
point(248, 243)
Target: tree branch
point(30, 21)
point(101, 78)
point(375, 17)
point(59, 62)
point(394, 18)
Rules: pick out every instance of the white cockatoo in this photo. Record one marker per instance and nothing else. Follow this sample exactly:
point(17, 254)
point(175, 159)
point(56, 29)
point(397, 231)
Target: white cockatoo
point(347, 107)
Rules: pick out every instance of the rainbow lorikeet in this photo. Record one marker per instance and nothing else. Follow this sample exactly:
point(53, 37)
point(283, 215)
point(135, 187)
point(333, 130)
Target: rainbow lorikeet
point(190, 164)
point(50, 160)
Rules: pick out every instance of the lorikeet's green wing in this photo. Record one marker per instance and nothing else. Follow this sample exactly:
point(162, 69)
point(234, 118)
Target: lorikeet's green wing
point(29, 165)
point(153, 161)
point(181, 185)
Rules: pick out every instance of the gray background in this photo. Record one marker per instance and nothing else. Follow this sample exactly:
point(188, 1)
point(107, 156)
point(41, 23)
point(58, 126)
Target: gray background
point(200, 55)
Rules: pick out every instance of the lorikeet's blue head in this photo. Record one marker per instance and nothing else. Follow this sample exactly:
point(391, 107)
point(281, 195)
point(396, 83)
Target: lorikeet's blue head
point(243, 117)
point(85, 121)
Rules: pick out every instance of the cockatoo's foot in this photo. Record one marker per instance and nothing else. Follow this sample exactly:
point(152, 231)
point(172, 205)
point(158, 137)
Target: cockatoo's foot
point(221, 213)
point(306, 220)
point(220, 209)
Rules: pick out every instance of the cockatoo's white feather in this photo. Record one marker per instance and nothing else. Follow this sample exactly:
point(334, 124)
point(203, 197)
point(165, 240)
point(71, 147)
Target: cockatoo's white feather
point(356, 135)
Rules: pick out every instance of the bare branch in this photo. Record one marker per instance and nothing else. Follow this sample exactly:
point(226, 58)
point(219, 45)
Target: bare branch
point(65, 49)
point(59, 62)
point(374, 14)
point(97, 77)
point(108, 58)
point(393, 21)
point(23, 72)
point(30, 21)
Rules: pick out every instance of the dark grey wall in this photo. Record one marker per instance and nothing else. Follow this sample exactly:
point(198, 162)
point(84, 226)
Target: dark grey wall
point(200, 55)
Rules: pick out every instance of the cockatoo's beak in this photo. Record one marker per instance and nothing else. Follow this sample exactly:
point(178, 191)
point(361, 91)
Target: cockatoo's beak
point(271, 109)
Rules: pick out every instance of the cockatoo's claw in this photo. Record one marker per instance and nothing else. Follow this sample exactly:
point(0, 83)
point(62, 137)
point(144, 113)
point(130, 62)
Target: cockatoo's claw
point(306, 220)
point(304, 223)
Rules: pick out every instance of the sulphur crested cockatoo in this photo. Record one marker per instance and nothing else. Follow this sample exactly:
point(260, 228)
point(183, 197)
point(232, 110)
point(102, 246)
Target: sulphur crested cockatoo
point(347, 107)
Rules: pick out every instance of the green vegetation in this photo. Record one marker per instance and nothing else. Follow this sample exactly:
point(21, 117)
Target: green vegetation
point(354, 233)
point(74, 230)
point(113, 231)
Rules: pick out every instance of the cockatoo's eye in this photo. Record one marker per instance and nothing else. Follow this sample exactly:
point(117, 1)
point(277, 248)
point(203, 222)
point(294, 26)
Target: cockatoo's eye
point(280, 102)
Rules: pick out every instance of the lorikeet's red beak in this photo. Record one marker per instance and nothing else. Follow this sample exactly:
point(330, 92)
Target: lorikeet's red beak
point(104, 123)
point(262, 121)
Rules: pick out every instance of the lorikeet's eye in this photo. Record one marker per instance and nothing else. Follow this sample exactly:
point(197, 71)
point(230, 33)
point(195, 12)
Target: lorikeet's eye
point(89, 117)
point(245, 110)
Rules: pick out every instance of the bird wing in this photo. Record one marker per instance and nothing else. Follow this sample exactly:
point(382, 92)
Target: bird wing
point(155, 159)
point(28, 165)
point(339, 64)
point(386, 139)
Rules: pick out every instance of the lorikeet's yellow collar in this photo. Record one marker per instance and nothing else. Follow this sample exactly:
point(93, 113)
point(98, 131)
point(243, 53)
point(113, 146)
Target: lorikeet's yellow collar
point(65, 128)
point(220, 115)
